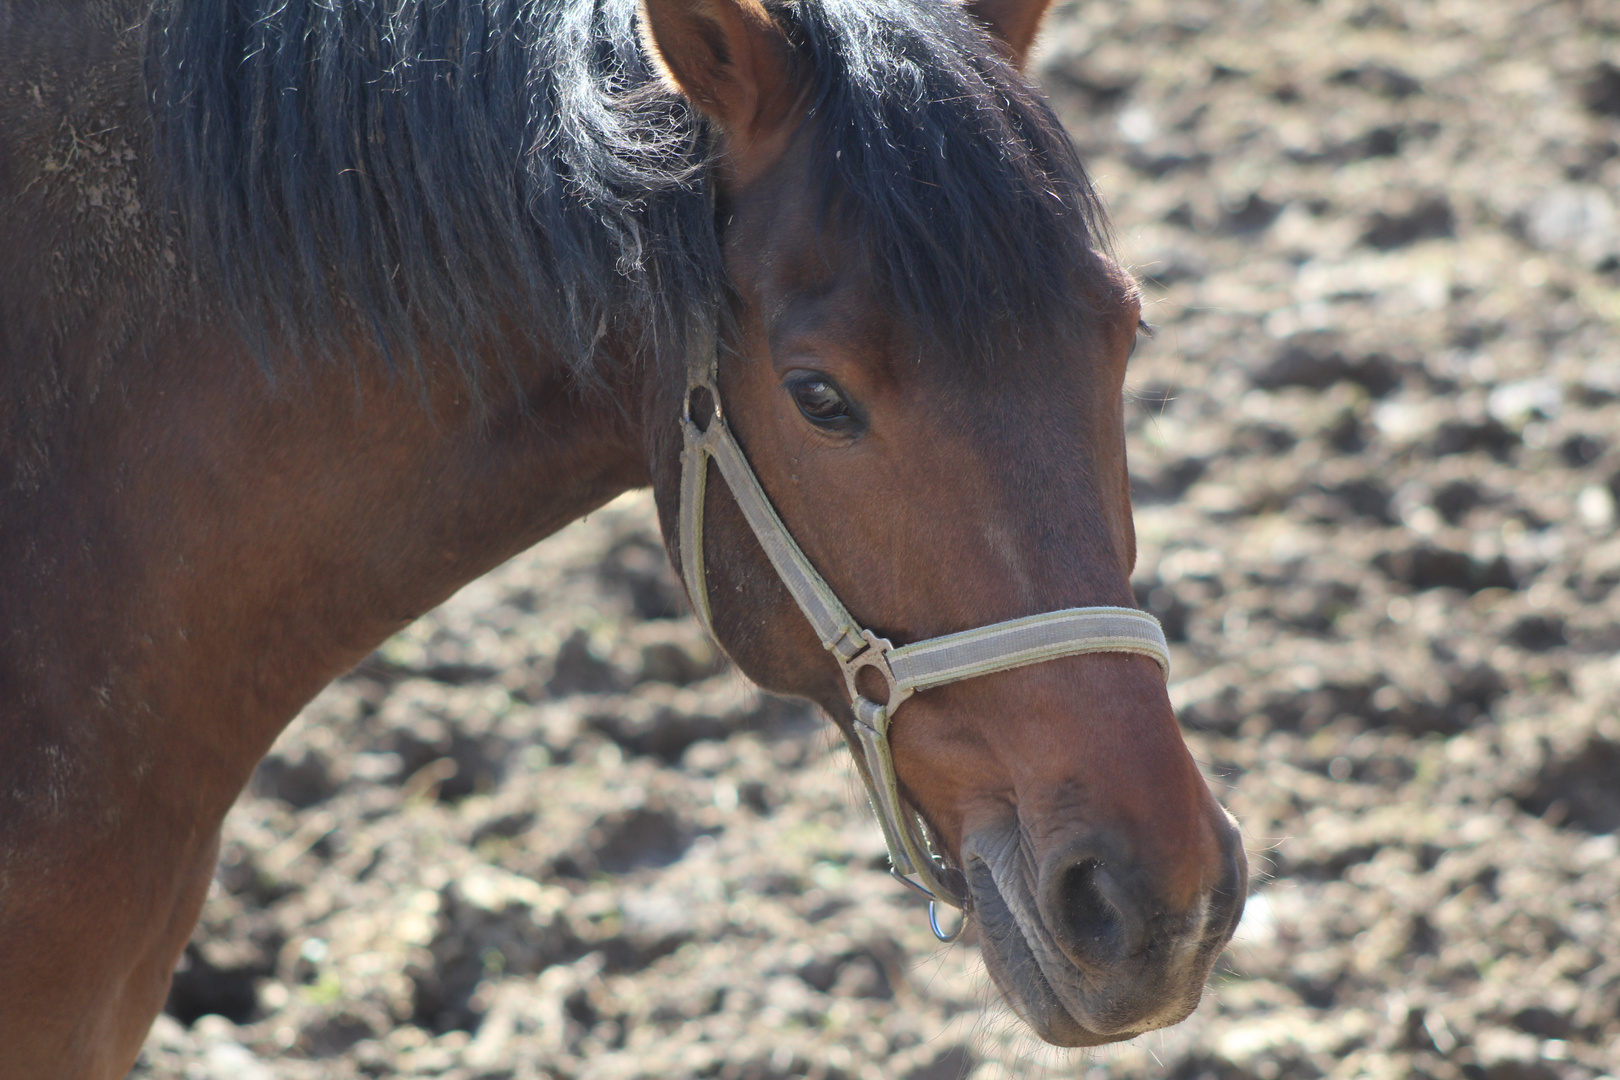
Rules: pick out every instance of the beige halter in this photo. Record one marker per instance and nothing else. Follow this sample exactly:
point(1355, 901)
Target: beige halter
point(906, 669)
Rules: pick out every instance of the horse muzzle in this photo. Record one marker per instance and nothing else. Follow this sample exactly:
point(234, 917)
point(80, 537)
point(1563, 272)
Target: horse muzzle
point(1079, 939)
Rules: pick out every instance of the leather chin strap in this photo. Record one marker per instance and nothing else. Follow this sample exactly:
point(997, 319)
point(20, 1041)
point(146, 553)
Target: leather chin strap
point(904, 670)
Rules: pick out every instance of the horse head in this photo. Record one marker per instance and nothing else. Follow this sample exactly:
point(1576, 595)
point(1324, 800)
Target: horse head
point(922, 357)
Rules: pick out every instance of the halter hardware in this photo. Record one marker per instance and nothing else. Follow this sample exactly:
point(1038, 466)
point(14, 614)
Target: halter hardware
point(905, 669)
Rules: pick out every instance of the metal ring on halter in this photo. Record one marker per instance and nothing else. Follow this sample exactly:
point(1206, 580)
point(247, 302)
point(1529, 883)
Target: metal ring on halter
point(933, 923)
point(933, 908)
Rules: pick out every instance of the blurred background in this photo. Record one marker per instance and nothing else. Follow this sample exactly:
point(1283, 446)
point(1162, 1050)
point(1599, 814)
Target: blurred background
point(1376, 454)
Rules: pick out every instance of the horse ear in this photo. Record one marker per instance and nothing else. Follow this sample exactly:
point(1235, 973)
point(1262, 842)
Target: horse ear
point(1014, 22)
point(728, 57)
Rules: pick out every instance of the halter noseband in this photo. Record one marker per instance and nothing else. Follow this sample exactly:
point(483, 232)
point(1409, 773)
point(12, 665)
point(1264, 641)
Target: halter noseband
point(904, 670)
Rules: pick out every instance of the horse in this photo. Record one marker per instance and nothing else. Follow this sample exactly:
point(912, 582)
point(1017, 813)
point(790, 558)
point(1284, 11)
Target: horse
point(312, 311)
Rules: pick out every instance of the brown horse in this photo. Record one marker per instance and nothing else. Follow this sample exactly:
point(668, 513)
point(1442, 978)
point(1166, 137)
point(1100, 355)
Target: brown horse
point(312, 312)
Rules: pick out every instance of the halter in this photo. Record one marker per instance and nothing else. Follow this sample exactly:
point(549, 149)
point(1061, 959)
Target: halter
point(905, 669)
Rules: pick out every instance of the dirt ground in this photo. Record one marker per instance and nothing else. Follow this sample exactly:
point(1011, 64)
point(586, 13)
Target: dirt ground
point(1376, 453)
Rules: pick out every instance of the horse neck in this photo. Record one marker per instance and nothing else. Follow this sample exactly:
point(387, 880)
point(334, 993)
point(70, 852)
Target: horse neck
point(206, 547)
point(190, 549)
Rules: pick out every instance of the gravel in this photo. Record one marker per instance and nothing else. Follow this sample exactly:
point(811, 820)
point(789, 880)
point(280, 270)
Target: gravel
point(546, 832)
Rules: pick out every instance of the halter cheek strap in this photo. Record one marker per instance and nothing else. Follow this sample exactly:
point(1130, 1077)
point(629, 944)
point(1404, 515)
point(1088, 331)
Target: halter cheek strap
point(904, 670)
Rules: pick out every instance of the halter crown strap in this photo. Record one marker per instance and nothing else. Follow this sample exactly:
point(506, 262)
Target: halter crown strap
point(906, 669)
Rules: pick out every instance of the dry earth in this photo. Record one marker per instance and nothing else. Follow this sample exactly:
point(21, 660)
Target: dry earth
point(1376, 445)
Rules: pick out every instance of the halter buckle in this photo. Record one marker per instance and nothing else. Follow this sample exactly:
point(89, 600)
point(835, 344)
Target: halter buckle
point(875, 655)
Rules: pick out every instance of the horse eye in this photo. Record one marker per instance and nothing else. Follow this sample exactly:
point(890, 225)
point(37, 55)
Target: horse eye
point(820, 400)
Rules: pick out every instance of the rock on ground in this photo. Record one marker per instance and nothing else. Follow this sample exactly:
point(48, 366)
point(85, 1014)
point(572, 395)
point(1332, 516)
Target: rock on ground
point(1376, 451)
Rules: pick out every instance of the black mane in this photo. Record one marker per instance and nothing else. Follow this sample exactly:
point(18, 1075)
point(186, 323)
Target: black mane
point(458, 168)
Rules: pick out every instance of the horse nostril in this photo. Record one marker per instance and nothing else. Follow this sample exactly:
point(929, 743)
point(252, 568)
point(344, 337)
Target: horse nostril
point(1088, 918)
point(1089, 911)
